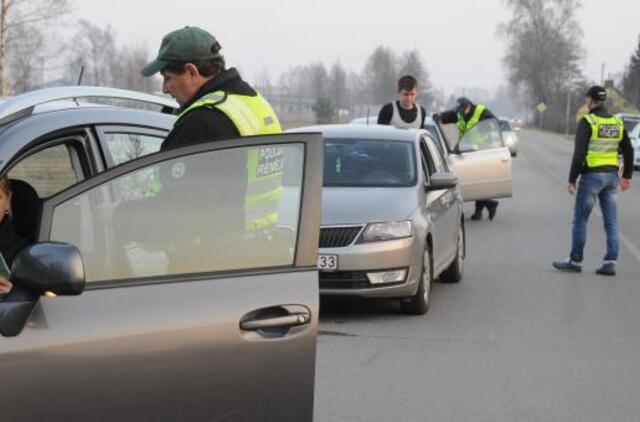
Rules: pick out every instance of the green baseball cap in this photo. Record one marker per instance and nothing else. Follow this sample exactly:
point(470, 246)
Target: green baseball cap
point(184, 45)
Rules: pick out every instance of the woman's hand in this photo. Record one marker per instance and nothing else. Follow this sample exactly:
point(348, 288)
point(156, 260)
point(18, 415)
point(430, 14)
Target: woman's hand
point(5, 286)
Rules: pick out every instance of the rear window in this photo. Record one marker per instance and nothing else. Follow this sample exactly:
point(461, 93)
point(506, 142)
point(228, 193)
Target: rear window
point(369, 163)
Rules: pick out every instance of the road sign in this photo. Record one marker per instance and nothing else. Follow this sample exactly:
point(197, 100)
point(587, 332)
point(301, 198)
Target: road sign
point(542, 107)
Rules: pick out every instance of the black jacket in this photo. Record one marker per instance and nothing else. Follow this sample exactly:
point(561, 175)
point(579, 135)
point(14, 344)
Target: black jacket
point(583, 135)
point(10, 242)
point(452, 116)
point(205, 123)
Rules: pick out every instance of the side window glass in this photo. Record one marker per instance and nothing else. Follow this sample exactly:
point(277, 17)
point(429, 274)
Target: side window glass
point(427, 160)
point(435, 153)
point(215, 211)
point(49, 171)
point(123, 147)
point(485, 135)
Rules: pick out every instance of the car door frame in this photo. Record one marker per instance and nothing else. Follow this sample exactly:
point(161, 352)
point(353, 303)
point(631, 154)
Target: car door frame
point(103, 130)
point(303, 265)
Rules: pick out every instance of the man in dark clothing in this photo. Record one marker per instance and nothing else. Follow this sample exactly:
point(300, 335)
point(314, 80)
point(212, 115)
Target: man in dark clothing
point(467, 115)
point(404, 113)
point(599, 139)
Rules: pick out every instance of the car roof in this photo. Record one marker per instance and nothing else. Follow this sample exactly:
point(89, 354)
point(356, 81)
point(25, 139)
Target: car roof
point(64, 97)
point(373, 120)
point(356, 131)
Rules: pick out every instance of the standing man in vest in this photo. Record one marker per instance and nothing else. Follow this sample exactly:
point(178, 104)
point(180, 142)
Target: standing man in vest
point(404, 113)
point(467, 115)
point(599, 139)
point(215, 103)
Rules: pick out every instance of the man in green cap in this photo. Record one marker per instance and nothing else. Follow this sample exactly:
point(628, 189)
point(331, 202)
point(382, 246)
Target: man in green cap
point(215, 103)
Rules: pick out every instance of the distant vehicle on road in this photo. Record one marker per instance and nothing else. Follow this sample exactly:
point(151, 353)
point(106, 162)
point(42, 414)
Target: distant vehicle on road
point(509, 136)
point(630, 120)
point(392, 218)
point(635, 141)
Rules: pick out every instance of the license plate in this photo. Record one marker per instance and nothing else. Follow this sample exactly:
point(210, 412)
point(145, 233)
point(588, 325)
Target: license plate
point(328, 262)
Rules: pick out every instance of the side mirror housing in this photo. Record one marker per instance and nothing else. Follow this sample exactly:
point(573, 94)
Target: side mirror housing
point(54, 267)
point(440, 181)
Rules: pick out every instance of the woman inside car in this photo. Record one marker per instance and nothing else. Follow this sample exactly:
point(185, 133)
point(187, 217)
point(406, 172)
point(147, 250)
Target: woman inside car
point(10, 242)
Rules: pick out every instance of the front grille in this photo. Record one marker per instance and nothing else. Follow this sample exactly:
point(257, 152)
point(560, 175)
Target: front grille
point(344, 280)
point(338, 237)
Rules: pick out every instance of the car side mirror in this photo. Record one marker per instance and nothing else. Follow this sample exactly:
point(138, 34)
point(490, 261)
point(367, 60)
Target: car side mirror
point(439, 181)
point(54, 267)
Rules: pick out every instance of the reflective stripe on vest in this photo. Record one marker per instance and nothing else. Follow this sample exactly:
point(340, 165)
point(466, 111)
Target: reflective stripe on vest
point(464, 127)
point(253, 115)
point(606, 135)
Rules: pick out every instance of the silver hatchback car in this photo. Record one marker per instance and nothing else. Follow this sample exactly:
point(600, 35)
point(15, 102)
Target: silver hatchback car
point(392, 218)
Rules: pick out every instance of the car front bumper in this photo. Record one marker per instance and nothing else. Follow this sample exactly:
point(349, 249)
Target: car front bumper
point(355, 261)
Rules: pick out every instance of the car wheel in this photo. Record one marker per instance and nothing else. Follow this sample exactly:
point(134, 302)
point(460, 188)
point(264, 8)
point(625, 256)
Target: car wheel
point(453, 274)
point(514, 154)
point(418, 304)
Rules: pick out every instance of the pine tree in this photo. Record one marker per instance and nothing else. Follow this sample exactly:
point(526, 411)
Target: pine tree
point(631, 80)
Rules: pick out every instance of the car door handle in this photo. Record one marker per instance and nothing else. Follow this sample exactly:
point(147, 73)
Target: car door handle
point(505, 160)
point(294, 316)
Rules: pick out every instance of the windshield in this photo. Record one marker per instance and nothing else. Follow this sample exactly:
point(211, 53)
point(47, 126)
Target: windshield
point(368, 163)
point(484, 135)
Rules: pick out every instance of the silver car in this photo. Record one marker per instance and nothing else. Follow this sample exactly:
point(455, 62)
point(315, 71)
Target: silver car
point(509, 136)
point(634, 136)
point(483, 166)
point(143, 296)
point(392, 218)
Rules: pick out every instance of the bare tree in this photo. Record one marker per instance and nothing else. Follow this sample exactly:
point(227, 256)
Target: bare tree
point(25, 60)
point(338, 91)
point(631, 79)
point(543, 49)
point(380, 74)
point(22, 16)
point(95, 49)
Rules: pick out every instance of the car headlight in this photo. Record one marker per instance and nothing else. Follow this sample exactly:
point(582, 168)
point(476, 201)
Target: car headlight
point(376, 232)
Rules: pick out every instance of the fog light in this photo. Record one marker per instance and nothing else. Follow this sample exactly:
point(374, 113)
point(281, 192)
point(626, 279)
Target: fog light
point(384, 277)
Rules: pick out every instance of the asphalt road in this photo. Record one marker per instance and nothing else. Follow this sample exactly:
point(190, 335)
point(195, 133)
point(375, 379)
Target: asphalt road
point(515, 340)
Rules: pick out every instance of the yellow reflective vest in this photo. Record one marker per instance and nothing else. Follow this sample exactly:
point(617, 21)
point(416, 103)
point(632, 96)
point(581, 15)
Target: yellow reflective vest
point(606, 135)
point(464, 126)
point(253, 115)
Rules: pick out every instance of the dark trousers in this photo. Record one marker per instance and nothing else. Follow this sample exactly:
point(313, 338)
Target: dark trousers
point(487, 203)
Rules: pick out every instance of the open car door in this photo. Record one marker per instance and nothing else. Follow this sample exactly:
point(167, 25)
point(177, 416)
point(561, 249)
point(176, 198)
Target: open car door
point(482, 163)
point(201, 295)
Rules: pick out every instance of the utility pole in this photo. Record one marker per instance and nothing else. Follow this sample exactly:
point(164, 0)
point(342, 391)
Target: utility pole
point(602, 75)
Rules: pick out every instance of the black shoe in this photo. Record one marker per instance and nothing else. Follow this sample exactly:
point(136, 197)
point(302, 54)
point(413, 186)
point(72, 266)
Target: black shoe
point(477, 215)
point(608, 268)
point(568, 266)
point(492, 207)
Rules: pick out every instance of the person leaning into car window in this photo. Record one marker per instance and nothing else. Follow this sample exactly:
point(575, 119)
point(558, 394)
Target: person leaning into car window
point(10, 242)
point(466, 115)
point(215, 103)
point(404, 113)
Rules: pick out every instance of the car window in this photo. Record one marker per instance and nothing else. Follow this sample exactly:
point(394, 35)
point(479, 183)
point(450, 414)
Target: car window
point(485, 135)
point(209, 212)
point(368, 163)
point(123, 147)
point(50, 170)
point(427, 161)
point(436, 155)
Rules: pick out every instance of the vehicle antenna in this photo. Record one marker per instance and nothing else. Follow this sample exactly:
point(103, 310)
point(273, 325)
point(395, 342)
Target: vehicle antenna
point(80, 76)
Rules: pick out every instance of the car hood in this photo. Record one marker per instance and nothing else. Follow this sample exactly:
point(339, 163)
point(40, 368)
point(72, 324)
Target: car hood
point(362, 205)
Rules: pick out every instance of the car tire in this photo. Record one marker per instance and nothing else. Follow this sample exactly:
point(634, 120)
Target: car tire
point(514, 154)
point(418, 304)
point(453, 274)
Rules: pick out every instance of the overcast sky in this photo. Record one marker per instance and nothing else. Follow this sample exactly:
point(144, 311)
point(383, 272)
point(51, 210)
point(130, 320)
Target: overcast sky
point(457, 38)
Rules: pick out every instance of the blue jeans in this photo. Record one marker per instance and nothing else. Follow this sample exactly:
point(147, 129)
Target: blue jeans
point(592, 186)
